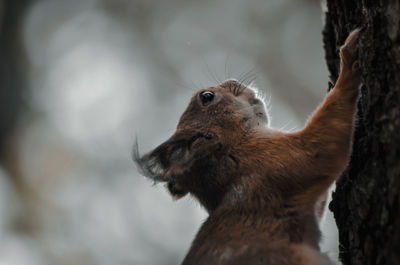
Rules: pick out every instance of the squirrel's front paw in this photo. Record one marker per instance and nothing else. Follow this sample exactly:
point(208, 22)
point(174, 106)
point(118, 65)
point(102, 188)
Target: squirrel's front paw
point(349, 51)
point(349, 65)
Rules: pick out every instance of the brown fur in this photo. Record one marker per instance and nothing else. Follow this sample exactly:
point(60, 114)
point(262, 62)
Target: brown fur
point(261, 187)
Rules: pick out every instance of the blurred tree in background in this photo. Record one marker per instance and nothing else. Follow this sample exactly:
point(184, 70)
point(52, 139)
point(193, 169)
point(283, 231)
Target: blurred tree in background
point(13, 67)
point(366, 203)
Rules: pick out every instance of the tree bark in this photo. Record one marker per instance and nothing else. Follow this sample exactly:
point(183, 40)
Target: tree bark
point(366, 201)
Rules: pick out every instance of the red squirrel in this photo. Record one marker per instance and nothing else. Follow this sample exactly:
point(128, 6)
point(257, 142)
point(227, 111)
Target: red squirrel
point(261, 187)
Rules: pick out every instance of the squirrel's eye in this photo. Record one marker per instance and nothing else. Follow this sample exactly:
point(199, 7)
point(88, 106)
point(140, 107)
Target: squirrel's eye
point(206, 97)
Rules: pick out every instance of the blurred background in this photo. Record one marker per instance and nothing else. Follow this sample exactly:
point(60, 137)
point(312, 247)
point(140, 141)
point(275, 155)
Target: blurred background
point(79, 80)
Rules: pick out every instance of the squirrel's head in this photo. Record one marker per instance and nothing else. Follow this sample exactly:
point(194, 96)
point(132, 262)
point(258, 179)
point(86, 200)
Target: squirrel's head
point(199, 158)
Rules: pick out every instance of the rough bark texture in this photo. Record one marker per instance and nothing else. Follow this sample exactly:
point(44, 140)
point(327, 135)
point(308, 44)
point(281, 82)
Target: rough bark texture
point(366, 201)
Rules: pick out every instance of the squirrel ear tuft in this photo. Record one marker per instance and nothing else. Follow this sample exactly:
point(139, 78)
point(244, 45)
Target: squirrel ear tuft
point(174, 159)
point(164, 161)
point(152, 165)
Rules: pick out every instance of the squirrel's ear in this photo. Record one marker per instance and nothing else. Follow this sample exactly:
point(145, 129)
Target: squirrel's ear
point(157, 163)
point(166, 163)
point(173, 159)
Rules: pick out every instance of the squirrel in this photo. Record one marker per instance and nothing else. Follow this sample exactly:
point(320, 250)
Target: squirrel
point(261, 187)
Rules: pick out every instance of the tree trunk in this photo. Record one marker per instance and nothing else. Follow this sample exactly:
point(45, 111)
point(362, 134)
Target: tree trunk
point(366, 201)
